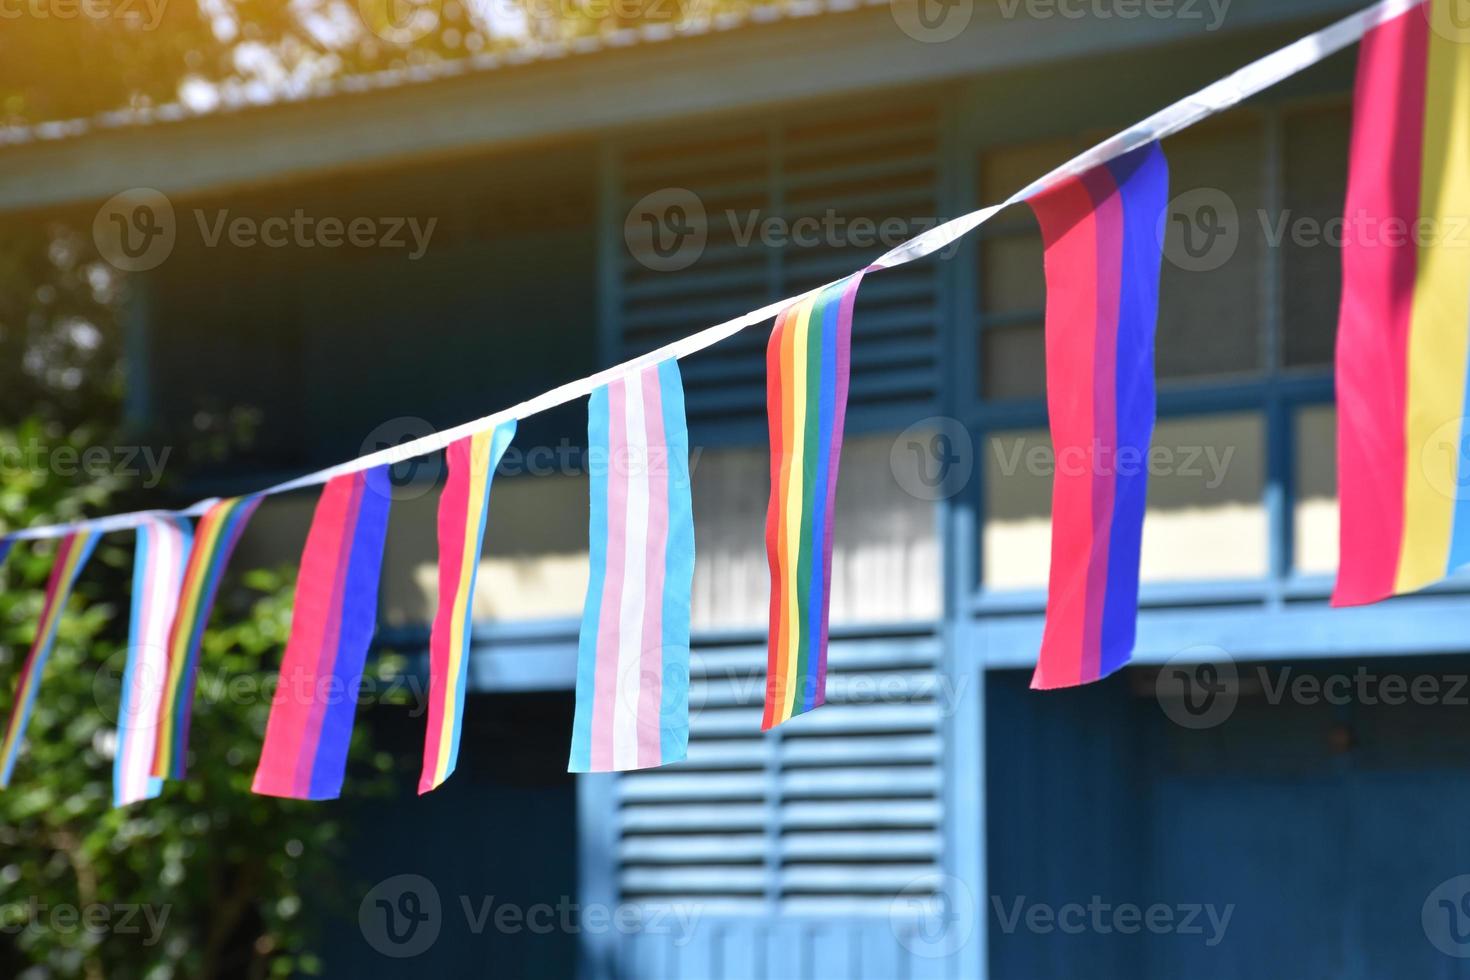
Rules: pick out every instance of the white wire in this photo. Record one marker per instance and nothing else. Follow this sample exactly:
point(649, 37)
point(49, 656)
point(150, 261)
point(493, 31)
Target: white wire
point(1217, 97)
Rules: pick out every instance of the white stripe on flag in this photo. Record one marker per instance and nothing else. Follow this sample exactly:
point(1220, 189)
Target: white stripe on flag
point(635, 548)
point(161, 582)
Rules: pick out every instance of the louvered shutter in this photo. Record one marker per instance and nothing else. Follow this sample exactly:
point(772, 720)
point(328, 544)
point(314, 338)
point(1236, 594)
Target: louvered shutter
point(824, 822)
point(866, 177)
point(793, 846)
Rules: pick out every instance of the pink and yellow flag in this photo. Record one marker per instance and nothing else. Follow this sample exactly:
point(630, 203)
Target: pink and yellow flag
point(463, 506)
point(1403, 341)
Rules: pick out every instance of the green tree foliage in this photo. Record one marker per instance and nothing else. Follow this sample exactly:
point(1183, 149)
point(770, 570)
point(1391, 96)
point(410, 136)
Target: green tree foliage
point(207, 880)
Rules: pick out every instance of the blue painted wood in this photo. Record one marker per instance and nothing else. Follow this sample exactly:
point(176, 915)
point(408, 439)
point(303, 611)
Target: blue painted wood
point(1439, 625)
point(1323, 830)
point(598, 952)
point(963, 729)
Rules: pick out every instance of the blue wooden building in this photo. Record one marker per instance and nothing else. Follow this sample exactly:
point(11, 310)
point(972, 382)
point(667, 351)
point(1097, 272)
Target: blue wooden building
point(937, 818)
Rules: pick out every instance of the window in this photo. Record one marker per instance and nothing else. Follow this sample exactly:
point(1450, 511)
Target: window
point(1248, 302)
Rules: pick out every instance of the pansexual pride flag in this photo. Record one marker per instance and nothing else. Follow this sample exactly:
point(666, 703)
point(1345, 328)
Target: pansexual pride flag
point(462, 508)
point(807, 368)
point(215, 538)
point(158, 572)
point(71, 556)
point(1402, 445)
point(633, 654)
point(1103, 238)
point(336, 611)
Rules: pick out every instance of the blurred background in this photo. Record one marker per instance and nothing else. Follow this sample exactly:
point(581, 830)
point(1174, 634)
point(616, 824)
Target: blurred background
point(241, 239)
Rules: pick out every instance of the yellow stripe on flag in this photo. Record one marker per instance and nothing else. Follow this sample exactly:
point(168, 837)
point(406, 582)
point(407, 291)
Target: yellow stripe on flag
point(1441, 320)
point(794, 486)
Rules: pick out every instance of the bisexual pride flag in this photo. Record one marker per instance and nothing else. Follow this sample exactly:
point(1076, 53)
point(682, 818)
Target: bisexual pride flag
point(1103, 237)
point(332, 624)
point(1404, 330)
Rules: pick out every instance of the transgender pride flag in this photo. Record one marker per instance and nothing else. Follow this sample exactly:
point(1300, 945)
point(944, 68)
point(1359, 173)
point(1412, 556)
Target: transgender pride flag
point(633, 655)
point(162, 553)
point(1103, 236)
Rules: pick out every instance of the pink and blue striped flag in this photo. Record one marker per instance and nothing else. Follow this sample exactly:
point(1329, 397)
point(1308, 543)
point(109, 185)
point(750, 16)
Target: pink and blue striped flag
point(1103, 237)
point(163, 545)
point(310, 725)
point(463, 507)
point(71, 557)
point(633, 655)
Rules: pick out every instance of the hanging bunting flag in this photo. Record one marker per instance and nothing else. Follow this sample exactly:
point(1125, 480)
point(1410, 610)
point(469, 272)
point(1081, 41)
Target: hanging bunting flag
point(633, 653)
point(1404, 331)
point(336, 611)
point(806, 406)
point(462, 508)
point(71, 556)
point(1103, 237)
point(215, 538)
point(158, 572)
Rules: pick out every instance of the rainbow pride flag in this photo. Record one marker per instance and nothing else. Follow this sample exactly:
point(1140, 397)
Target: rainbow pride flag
point(807, 367)
point(215, 537)
point(463, 505)
point(336, 612)
point(1103, 237)
point(633, 654)
point(158, 572)
point(71, 556)
point(1404, 330)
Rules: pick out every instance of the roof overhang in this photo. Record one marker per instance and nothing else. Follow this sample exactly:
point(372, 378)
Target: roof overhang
point(651, 79)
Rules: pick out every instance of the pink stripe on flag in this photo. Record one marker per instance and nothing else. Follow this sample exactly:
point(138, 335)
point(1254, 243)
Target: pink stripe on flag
point(650, 688)
point(342, 513)
point(1108, 233)
point(604, 709)
point(1385, 168)
point(1071, 251)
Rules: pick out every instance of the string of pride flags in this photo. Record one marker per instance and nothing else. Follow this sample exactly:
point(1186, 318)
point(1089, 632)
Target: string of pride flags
point(1402, 354)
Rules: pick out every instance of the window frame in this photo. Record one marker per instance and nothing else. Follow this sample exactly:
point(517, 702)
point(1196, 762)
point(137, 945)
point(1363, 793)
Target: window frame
point(1277, 392)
